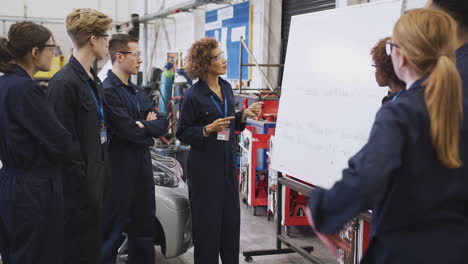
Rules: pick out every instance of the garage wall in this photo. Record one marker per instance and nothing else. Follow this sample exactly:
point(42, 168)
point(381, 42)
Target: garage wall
point(179, 31)
point(411, 3)
point(58, 9)
point(175, 33)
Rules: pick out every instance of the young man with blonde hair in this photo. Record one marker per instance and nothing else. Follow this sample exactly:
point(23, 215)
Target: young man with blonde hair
point(77, 96)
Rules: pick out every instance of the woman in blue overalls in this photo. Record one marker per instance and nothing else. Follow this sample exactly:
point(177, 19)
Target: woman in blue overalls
point(208, 123)
point(413, 171)
point(31, 142)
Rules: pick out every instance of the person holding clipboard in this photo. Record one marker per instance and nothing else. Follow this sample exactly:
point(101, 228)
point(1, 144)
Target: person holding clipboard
point(208, 123)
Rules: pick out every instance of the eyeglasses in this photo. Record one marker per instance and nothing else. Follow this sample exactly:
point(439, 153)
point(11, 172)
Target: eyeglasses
point(48, 45)
point(374, 65)
point(219, 57)
point(52, 46)
point(134, 53)
point(105, 36)
point(389, 47)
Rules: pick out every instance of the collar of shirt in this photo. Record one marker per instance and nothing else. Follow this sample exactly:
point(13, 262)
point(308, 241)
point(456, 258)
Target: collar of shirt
point(462, 51)
point(20, 71)
point(117, 82)
point(76, 65)
point(205, 89)
point(409, 85)
point(415, 84)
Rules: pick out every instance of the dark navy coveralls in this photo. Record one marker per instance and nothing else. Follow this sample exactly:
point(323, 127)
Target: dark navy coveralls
point(419, 206)
point(212, 179)
point(86, 178)
point(462, 66)
point(132, 204)
point(32, 141)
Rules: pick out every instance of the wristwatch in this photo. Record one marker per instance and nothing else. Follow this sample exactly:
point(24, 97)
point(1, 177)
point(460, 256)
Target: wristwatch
point(204, 132)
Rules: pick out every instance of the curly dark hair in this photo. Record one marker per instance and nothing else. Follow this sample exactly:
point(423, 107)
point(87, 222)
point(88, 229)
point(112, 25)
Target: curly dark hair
point(198, 58)
point(384, 62)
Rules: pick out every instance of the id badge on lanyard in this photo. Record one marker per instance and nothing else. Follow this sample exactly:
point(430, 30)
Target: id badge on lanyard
point(100, 109)
point(225, 134)
point(103, 134)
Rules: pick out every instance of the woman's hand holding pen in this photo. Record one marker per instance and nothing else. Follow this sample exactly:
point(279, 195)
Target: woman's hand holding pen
point(331, 241)
point(253, 111)
point(219, 124)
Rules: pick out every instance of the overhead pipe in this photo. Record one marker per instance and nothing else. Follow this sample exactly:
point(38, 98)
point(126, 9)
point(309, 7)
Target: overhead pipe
point(38, 20)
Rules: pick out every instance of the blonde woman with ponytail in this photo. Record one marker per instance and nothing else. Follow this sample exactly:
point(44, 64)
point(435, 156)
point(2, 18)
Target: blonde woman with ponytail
point(412, 172)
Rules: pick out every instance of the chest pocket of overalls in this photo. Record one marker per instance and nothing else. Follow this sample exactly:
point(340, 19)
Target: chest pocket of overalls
point(88, 104)
point(86, 99)
point(88, 111)
point(208, 113)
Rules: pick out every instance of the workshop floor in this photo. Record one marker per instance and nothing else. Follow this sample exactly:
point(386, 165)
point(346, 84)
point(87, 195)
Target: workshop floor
point(258, 233)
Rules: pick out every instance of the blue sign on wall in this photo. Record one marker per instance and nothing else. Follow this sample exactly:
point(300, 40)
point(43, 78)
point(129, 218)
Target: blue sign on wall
point(227, 25)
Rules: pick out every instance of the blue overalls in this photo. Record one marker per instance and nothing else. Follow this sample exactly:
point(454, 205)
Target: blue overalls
point(32, 141)
point(462, 66)
point(131, 208)
point(212, 179)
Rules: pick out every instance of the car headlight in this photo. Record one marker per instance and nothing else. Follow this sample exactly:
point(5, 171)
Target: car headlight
point(167, 171)
point(162, 179)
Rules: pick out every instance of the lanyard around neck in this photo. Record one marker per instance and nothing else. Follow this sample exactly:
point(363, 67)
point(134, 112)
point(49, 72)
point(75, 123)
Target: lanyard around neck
point(99, 104)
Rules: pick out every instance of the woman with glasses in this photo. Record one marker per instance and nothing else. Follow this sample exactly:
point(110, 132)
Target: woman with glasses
point(31, 142)
point(413, 170)
point(208, 123)
point(384, 74)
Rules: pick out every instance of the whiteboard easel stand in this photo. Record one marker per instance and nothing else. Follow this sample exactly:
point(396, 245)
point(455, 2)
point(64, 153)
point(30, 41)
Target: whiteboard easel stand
point(242, 45)
point(280, 238)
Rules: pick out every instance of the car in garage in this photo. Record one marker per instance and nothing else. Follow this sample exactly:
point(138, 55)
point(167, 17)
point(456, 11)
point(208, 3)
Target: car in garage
point(173, 220)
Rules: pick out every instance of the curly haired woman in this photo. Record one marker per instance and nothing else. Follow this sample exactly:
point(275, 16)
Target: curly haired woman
point(207, 123)
point(384, 74)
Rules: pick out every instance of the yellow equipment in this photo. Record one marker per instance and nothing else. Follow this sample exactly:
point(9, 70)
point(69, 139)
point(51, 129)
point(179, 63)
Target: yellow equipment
point(57, 64)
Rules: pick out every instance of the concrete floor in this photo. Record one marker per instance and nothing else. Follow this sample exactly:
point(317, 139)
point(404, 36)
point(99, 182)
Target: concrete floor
point(258, 233)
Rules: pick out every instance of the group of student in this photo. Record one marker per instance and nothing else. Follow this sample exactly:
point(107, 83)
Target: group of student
point(413, 171)
point(76, 163)
point(77, 169)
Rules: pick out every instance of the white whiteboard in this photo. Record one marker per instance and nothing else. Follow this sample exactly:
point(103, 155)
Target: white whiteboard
point(329, 95)
point(416, 4)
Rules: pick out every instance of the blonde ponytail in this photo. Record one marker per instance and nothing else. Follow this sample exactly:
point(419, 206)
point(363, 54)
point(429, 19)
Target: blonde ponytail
point(427, 37)
point(443, 96)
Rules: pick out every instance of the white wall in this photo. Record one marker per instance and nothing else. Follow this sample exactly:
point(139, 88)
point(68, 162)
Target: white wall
point(176, 33)
point(274, 43)
point(411, 3)
point(58, 9)
point(179, 31)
